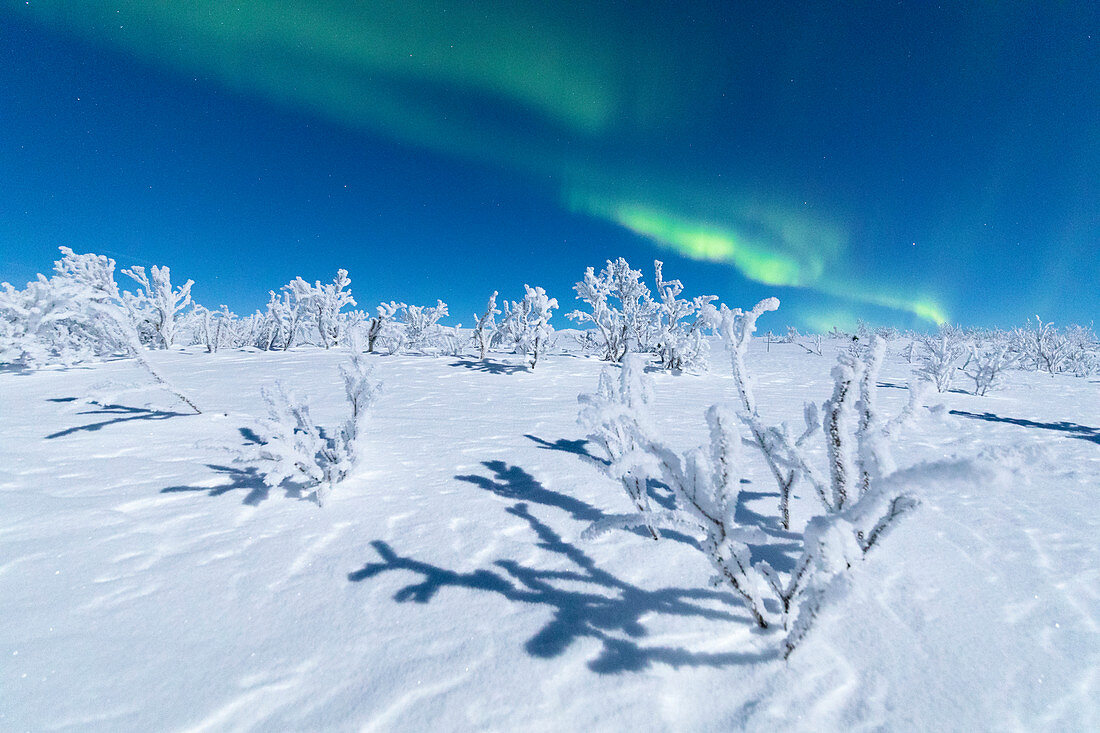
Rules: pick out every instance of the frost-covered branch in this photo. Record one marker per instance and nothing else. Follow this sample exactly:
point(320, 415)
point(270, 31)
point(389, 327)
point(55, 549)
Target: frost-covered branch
point(526, 323)
point(863, 497)
point(292, 447)
point(486, 326)
point(160, 300)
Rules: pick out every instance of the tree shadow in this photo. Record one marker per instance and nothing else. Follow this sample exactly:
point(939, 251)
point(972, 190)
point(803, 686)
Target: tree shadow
point(576, 447)
point(1081, 432)
point(127, 414)
point(512, 482)
point(611, 611)
point(239, 479)
point(658, 492)
point(489, 367)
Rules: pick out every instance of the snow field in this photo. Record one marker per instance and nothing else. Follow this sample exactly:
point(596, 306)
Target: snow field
point(148, 582)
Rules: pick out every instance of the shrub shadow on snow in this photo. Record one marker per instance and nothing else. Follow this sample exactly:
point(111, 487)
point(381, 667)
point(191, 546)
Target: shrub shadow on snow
point(512, 482)
point(125, 414)
point(576, 447)
point(1081, 432)
point(238, 479)
point(489, 367)
point(658, 492)
point(611, 612)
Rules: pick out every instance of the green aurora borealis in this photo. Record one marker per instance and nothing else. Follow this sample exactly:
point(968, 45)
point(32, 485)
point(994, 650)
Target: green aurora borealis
point(621, 110)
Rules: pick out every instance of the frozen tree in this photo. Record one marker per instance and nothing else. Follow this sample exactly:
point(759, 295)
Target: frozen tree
point(617, 420)
point(736, 328)
point(679, 324)
point(941, 356)
point(486, 326)
point(705, 481)
point(216, 329)
point(74, 315)
point(381, 325)
point(622, 327)
point(323, 304)
point(450, 340)
point(292, 447)
point(908, 351)
point(864, 499)
point(987, 366)
point(280, 321)
point(1042, 346)
point(48, 322)
point(422, 324)
point(526, 323)
point(160, 300)
point(811, 343)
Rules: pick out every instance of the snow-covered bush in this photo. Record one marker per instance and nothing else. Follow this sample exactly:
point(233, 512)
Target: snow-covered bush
point(736, 328)
point(624, 327)
point(450, 340)
point(680, 324)
point(322, 305)
point(526, 324)
point(382, 325)
point(1042, 346)
point(215, 329)
point(282, 320)
point(486, 326)
point(861, 499)
point(811, 343)
point(292, 447)
point(422, 325)
point(616, 416)
point(909, 351)
point(158, 302)
point(941, 356)
point(986, 366)
point(73, 316)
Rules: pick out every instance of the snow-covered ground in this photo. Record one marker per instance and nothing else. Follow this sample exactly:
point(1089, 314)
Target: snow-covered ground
point(148, 582)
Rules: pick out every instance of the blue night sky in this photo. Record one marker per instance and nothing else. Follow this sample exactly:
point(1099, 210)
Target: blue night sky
point(902, 162)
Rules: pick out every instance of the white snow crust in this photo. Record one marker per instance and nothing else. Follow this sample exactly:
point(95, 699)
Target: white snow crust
point(148, 582)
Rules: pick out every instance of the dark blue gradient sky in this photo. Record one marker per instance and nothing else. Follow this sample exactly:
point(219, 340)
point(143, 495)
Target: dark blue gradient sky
point(903, 162)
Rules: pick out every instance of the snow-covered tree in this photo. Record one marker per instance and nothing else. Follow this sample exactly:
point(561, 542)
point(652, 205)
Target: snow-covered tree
point(323, 304)
point(450, 340)
point(215, 329)
point(1046, 348)
point(281, 321)
point(941, 356)
point(526, 323)
point(811, 343)
point(680, 324)
point(159, 300)
point(620, 305)
point(864, 498)
point(986, 366)
point(74, 315)
point(292, 447)
point(381, 326)
point(616, 417)
point(422, 324)
point(486, 326)
point(736, 328)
